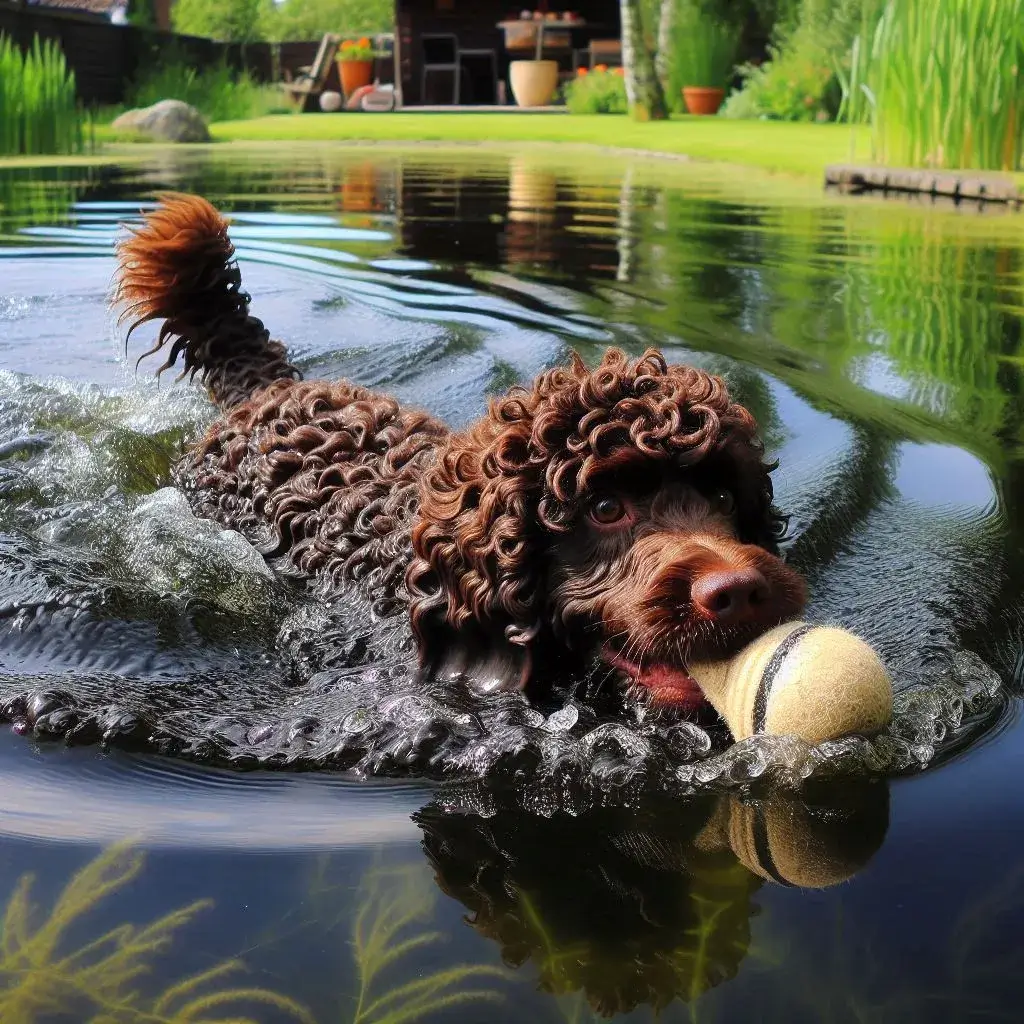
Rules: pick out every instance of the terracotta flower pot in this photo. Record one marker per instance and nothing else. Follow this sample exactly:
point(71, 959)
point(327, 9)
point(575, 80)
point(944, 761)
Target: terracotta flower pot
point(700, 99)
point(533, 81)
point(355, 74)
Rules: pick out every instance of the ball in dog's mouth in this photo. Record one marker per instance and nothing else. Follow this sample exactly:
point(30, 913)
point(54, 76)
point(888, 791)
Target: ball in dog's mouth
point(669, 685)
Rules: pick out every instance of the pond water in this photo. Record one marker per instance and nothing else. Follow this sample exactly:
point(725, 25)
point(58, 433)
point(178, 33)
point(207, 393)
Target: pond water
point(879, 344)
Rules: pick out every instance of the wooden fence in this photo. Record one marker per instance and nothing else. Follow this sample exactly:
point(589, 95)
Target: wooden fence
point(107, 57)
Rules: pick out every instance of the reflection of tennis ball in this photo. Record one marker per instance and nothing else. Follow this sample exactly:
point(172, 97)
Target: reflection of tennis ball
point(802, 842)
point(815, 682)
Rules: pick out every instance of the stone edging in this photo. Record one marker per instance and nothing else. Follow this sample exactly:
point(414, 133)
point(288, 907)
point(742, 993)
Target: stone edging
point(957, 185)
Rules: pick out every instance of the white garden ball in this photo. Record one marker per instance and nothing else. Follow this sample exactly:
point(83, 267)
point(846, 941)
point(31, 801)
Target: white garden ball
point(330, 102)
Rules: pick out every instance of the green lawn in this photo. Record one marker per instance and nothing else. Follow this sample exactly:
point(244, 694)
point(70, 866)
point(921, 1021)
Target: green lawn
point(803, 149)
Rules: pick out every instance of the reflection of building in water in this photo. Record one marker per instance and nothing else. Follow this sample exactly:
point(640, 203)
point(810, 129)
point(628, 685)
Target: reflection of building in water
point(534, 220)
point(634, 908)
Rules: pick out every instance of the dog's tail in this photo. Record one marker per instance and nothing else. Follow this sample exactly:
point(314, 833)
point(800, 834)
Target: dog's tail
point(179, 267)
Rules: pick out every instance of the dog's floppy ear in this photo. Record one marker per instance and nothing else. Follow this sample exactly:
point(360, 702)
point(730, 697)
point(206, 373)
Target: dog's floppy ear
point(476, 578)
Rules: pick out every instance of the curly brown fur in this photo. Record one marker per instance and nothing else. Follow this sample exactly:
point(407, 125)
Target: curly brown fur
point(179, 267)
point(322, 475)
point(494, 537)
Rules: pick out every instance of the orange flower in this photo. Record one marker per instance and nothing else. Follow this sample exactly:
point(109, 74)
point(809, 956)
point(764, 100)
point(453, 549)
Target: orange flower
point(347, 44)
point(621, 72)
point(601, 68)
point(364, 43)
point(581, 72)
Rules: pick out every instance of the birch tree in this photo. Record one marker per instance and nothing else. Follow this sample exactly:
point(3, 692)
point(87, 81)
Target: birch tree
point(644, 91)
point(666, 29)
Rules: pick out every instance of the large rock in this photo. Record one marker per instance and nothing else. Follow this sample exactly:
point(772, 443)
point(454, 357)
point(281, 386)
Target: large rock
point(166, 121)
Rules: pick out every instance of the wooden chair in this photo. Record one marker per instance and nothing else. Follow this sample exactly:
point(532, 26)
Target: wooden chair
point(310, 81)
point(605, 51)
point(440, 52)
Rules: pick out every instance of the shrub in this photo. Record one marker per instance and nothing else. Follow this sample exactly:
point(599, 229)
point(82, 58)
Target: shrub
point(792, 86)
point(941, 83)
point(600, 91)
point(38, 109)
point(219, 93)
point(799, 81)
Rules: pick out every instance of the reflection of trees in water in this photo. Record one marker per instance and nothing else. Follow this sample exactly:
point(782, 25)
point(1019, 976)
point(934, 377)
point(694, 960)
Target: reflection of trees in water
point(31, 196)
point(931, 299)
point(648, 907)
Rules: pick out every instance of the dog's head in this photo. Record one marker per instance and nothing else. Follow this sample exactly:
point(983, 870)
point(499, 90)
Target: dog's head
point(626, 509)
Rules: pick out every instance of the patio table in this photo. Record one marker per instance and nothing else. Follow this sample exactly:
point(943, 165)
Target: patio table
point(542, 26)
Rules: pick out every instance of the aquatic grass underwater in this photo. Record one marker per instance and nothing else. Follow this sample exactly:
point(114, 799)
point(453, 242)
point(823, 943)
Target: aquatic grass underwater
point(52, 967)
point(394, 902)
point(941, 83)
point(41, 978)
point(39, 112)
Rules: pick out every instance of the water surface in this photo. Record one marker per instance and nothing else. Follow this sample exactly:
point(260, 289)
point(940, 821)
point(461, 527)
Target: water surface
point(878, 344)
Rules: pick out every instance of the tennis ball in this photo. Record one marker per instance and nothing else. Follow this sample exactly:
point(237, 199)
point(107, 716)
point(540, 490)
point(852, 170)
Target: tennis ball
point(815, 682)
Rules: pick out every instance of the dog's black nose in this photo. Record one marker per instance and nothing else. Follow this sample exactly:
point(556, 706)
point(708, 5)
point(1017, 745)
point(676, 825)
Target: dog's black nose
point(731, 596)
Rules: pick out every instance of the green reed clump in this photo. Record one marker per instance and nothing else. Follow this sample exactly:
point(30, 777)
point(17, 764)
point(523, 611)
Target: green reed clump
point(39, 112)
point(942, 82)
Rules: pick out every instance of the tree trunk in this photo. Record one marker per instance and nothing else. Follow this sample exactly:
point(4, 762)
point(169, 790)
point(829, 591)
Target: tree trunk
point(666, 29)
point(643, 90)
point(627, 227)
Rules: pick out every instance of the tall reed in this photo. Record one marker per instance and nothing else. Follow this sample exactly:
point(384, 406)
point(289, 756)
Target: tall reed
point(941, 82)
point(38, 109)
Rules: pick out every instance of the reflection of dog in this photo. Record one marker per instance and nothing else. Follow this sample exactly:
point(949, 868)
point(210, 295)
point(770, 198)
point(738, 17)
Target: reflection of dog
point(618, 904)
point(624, 510)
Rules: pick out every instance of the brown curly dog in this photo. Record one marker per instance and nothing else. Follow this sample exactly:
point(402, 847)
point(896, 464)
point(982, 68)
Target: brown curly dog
point(624, 511)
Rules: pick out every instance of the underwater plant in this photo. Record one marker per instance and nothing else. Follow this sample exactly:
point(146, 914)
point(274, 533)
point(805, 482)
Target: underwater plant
point(394, 904)
point(41, 978)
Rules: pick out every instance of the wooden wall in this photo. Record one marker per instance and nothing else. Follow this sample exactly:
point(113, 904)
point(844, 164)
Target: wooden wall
point(106, 57)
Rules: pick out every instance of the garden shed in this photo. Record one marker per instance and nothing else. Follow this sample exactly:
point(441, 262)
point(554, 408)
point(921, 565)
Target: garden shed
point(457, 52)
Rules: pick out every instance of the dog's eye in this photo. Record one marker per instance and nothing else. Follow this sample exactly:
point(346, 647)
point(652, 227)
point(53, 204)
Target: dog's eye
point(724, 502)
point(607, 510)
